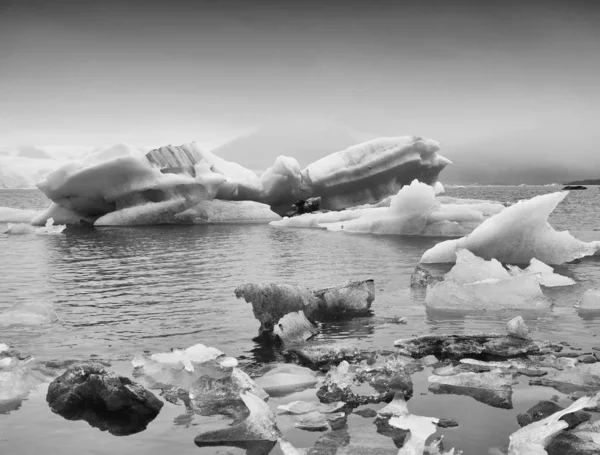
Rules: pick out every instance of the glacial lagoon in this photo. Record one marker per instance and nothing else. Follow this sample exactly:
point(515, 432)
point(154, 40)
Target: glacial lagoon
point(118, 292)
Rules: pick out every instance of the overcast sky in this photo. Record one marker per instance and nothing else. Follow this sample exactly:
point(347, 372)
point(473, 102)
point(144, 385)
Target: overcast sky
point(93, 73)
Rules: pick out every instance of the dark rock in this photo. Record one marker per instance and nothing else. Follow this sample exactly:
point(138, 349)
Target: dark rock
point(579, 441)
point(323, 355)
point(103, 399)
point(447, 423)
point(421, 278)
point(301, 207)
point(587, 359)
point(546, 408)
point(575, 187)
point(480, 346)
point(350, 384)
point(366, 412)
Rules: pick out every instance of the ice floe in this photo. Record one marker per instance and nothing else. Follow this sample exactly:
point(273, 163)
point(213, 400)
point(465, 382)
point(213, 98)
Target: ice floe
point(414, 210)
point(476, 284)
point(516, 235)
point(23, 229)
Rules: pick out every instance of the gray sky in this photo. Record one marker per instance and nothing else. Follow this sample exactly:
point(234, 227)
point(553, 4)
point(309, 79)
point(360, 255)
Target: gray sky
point(149, 73)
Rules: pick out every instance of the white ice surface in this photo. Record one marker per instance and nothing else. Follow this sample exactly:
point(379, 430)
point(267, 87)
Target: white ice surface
point(476, 284)
point(516, 235)
point(413, 211)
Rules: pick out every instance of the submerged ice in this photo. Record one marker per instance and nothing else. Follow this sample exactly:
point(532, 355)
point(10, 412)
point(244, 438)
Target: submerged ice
point(516, 235)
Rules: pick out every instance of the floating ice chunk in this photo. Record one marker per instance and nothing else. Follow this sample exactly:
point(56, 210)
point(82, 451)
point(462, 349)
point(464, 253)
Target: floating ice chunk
point(294, 327)
point(590, 302)
point(546, 274)
point(533, 438)
point(19, 229)
point(28, 313)
point(285, 379)
point(50, 228)
point(228, 362)
point(470, 268)
point(304, 407)
point(198, 353)
point(3, 347)
point(515, 293)
point(516, 235)
point(420, 427)
point(413, 211)
point(12, 386)
point(516, 327)
point(258, 429)
point(14, 215)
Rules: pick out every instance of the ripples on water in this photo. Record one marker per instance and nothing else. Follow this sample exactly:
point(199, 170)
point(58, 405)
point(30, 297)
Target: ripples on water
point(118, 291)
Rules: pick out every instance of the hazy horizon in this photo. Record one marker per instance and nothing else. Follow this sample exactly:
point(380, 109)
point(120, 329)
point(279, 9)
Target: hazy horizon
point(510, 79)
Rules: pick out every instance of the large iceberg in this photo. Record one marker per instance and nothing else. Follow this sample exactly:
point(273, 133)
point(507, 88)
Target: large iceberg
point(414, 210)
point(180, 184)
point(516, 235)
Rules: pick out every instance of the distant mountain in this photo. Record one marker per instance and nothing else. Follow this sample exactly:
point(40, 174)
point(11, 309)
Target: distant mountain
point(585, 182)
point(531, 157)
point(24, 172)
point(28, 151)
point(305, 142)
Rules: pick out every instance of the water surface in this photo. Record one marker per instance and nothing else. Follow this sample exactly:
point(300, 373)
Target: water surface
point(120, 290)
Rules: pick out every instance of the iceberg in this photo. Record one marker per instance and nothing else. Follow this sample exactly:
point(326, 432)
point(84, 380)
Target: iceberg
point(476, 284)
point(516, 235)
point(414, 210)
point(368, 172)
point(182, 184)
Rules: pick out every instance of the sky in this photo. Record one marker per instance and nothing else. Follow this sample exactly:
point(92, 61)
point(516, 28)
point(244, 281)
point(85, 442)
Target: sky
point(91, 73)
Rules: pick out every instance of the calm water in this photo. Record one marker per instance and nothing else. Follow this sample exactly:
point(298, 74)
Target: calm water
point(118, 291)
